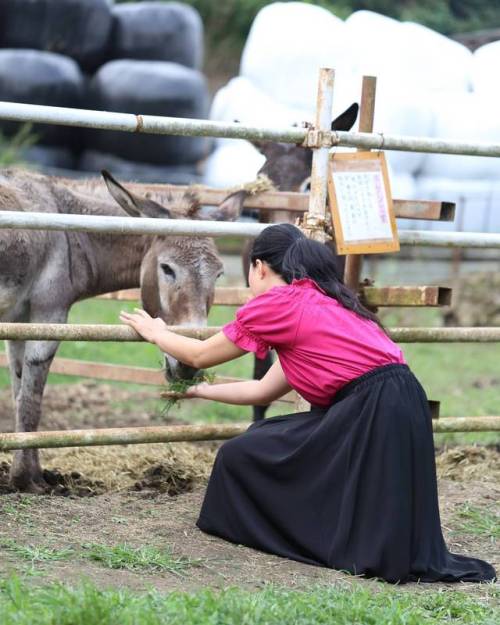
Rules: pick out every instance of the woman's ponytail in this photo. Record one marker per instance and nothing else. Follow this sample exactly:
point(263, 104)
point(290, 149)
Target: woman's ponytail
point(306, 258)
point(293, 256)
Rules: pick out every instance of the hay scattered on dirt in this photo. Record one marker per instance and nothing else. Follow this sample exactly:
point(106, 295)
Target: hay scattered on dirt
point(161, 468)
point(469, 462)
point(176, 468)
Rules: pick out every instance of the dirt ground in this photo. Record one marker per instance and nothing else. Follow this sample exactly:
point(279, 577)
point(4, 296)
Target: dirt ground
point(150, 495)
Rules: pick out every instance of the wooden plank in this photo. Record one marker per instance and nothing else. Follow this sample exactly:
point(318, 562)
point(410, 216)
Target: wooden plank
point(420, 209)
point(143, 375)
point(120, 373)
point(299, 202)
point(126, 295)
point(373, 296)
point(406, 296)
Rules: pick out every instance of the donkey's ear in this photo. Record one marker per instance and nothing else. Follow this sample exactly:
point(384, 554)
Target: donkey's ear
point(346, 120)
point(229, 209)
point(132, 204)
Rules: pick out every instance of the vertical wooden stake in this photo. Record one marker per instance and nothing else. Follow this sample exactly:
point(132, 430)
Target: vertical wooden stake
point(314, 220)
point(354, 262)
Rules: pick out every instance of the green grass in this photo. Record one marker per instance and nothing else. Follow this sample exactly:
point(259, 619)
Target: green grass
point(479, 521)
point(146, 559)
point(35, 553)
point(18, 510)
point(85, 604)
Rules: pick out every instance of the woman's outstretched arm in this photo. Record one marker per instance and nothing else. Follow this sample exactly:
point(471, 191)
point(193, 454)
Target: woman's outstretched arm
point(252, 393)
point(199, 354)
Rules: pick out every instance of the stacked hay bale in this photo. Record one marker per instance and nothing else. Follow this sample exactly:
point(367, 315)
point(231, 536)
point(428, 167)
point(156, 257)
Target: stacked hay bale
point(142, 57)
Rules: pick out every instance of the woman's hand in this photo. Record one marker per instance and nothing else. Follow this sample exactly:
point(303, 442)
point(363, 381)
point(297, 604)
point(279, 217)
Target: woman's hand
point(145, 325)
point(197, 390)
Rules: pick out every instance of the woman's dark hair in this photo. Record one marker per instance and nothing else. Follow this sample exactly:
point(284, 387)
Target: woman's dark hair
point(293, 256)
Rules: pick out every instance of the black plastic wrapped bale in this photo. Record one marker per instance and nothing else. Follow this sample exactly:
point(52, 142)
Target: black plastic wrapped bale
point(93, 162)
point(149, 88)
point(33, 77)
point(158, 32)
point(77, 28)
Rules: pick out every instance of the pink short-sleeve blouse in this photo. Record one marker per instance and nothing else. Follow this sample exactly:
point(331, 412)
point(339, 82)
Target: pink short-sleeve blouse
point(321, 345)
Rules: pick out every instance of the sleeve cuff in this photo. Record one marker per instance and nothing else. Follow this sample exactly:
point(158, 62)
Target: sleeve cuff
point(244, 339)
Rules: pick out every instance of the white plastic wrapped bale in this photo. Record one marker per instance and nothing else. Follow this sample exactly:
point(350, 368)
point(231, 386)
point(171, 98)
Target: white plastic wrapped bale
point(235, 162)
point(374, 41)
point(400, 113)
point(403, 186)
point(467, 117)
point(485, 63)
point(405, 55)
point(242, 101)
point(287, 45)
point(433, 61)
point(477, 203)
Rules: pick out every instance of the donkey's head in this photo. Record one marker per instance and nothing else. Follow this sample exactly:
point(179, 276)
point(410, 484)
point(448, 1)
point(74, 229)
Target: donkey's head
point(288, 166)
point(178, 274)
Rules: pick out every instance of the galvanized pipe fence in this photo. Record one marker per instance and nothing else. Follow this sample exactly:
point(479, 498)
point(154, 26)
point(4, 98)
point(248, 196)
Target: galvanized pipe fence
point(184, 433)
point(122, 333)
point(184, 227)
point(150, 124)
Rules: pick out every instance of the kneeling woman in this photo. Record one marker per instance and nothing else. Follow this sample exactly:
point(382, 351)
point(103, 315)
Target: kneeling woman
point(351, 484)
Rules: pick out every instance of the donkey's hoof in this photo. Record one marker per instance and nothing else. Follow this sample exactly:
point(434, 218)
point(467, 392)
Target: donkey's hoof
point(26, 484)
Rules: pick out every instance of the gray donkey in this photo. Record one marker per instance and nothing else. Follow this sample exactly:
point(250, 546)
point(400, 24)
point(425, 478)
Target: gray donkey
point(43, 273)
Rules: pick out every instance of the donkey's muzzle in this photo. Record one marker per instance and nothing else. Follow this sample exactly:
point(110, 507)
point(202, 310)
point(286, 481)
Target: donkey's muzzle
point(175, 370)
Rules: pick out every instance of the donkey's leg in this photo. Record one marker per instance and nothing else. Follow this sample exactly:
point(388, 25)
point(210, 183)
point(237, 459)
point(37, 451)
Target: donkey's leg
point(15, 354)
point(260, 368)
point(26, 472)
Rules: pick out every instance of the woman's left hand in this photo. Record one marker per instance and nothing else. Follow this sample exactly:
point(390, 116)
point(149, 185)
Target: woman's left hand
point(145, 325)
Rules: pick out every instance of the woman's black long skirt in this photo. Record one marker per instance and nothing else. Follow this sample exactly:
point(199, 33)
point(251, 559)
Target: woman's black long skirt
point(350, 487)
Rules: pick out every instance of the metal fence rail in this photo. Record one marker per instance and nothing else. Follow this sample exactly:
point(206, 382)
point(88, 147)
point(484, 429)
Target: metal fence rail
point(185, 227)
point(122, 333)
point(151, 124)
point(184, 433)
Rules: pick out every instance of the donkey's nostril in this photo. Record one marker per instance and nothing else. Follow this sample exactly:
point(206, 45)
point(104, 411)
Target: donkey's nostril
point(184, 372)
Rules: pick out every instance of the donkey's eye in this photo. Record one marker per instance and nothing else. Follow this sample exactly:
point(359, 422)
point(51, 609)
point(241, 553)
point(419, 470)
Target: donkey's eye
point(167, 270)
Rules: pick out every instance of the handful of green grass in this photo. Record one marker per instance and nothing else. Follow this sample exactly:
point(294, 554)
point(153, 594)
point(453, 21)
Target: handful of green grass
point(176, 390)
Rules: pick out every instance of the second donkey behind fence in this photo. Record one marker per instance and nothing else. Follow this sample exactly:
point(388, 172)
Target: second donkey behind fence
point(288, 166)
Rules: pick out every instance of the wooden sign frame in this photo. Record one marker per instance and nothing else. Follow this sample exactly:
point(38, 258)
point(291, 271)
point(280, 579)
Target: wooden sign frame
point(362, 163)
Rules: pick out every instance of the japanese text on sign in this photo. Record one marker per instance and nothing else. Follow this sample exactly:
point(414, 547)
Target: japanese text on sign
point(363, 206)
